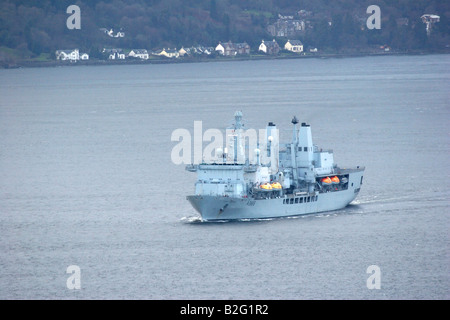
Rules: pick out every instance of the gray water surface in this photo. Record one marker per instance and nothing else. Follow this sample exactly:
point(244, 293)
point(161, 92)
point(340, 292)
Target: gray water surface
point(86, 179)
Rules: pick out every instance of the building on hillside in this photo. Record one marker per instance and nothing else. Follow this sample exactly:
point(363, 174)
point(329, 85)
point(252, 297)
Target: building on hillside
point(114, 54)
point(286, 26)
point(429, 20)
point(112, 34)
point(232, 49)
point(169, 53)
point(139, 53)
point(182, 52)
point(198, 50)
point(71, 55)
point(269, 47)
point(294, 46)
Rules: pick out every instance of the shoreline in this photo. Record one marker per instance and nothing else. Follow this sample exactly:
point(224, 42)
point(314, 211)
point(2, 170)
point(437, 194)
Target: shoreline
point(95, 62)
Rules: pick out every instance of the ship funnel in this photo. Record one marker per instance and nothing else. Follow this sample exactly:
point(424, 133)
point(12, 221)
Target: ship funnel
point(234, 139)
point(272, 146)
point(294, 134)
point(305, 153)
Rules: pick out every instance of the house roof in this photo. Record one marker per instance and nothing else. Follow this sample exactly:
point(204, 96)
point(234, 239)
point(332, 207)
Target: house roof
point(170, 51)
point(112, 50)
point(241, 45)
point(270, 43)
point(66, 51)
point(295, 42)
point(140, 51)
point(231, 45)
point(433, 16)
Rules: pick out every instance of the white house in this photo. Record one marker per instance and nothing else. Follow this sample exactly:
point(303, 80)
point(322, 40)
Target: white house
point(184, 51)
point(199, 50)
point(65, 55)
point(269, 47)
point(169, 53)
point(222, 49)
point(139, 53)
point(114, 54)
point(231, 49)
point(429, 20)
point(117, 56)
point(205, 50)
point(110, 33)
point(71, 55)
point(294, 46)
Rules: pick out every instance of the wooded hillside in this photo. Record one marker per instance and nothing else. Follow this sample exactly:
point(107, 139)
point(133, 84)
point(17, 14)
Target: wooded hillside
point(32, 28)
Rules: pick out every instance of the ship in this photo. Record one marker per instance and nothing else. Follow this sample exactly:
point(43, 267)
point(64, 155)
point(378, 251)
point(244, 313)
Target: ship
point(297, 178)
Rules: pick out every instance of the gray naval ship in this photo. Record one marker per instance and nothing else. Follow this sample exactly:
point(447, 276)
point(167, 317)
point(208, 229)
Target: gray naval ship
point(297, 178)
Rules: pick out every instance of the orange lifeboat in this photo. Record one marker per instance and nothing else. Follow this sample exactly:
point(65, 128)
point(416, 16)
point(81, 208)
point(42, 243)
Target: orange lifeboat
point(335, 180)
point(326, 181)
point(266, 186)
point(276, 185)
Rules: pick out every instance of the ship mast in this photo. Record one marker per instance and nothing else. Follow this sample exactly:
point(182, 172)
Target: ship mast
point(236, 136)
point(294, 151)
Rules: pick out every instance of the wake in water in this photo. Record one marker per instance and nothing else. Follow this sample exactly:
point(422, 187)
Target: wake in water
point(199, 220)
point(380, 199)
point(193, 219)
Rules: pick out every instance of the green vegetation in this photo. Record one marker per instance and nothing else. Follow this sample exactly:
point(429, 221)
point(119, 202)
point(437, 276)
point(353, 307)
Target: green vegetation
point(35, 29)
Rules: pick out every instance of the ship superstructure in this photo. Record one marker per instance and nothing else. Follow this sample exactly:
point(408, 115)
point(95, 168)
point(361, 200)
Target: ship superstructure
point(272, 180)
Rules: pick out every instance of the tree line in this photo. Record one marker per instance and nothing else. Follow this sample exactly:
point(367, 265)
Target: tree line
point(30, 28)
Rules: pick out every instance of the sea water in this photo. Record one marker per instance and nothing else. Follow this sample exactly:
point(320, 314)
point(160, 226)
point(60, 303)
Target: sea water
point(87, 180)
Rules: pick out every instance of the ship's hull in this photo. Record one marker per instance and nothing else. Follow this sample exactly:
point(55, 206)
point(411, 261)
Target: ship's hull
point(226, 208)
